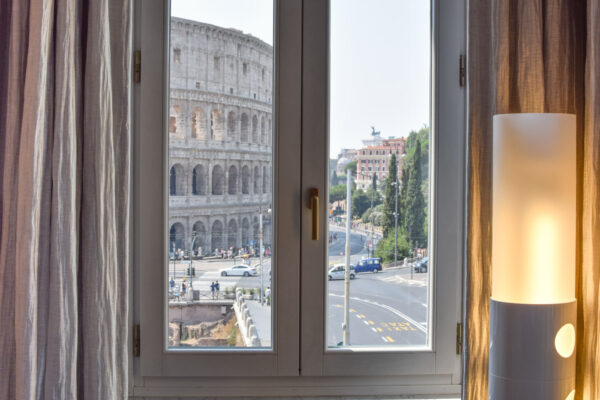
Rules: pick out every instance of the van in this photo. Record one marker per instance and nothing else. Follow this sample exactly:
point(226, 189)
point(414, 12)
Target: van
point(368, 265)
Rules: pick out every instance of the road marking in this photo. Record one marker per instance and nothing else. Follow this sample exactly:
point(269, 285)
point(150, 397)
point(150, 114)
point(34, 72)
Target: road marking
point(374, 330)
point(384, 339)
point(390, 339)
point(379, 329)
point(362, 315)
point(352, 310)
point(391, 309)
point(366, 323)
point(371, 322)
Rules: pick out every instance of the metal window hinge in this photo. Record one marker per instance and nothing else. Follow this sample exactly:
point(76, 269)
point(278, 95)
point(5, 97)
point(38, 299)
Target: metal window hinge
point(459, 338)
point(136, 341)
point(137, 66)
point(462, 70)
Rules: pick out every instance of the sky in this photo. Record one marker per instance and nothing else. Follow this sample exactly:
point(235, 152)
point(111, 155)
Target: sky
point(380, 60)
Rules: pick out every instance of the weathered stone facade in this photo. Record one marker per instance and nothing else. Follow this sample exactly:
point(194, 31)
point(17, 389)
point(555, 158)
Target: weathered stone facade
point(220, 137)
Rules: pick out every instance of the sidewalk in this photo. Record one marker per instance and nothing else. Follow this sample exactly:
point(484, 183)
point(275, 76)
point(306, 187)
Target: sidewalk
point(261, 315)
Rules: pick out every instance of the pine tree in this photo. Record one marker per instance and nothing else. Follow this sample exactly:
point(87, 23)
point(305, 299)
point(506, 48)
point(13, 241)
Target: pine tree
point(415, 216)
point(389, 203)
point(374, 182)
point(402, 197)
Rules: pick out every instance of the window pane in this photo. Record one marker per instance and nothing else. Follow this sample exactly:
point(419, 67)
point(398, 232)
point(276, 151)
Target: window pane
point(379, 279)
point(220, 174)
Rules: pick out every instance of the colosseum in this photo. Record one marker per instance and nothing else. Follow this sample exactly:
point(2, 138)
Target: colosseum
point(220, 138)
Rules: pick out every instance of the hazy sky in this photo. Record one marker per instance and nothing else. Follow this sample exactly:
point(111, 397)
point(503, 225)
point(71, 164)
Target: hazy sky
point(380, 61)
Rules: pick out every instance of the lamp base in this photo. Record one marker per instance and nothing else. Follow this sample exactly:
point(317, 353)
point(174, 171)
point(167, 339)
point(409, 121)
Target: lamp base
point(532, 351)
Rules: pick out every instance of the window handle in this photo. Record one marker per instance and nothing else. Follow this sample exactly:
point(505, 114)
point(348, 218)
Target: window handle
point(314, 206)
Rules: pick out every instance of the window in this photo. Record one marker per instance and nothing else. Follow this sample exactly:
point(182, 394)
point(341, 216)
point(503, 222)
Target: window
point(245, 68)
point(205, 206)
point(177, 56)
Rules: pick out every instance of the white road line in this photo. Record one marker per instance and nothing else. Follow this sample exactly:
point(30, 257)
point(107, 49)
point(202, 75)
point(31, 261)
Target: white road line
point(366, 323)
point(385, 340)
point(391, 309)
point(374, 330)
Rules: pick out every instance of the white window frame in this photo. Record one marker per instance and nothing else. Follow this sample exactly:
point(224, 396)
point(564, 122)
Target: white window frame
point(299, 364)
point(151, 199)
point(439, 365)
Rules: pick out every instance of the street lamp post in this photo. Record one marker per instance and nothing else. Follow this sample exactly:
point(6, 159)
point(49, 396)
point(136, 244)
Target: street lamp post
point(260, 250)
point(194, 237)
point(396, 226)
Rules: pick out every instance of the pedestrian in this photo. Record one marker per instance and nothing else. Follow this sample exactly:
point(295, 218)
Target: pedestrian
point(212, 290)
point(217, 288)
point(172, 283)
point(268, 295)
point(183, 288)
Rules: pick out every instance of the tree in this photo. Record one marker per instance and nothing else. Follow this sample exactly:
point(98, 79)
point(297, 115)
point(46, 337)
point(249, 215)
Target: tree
point(374, 183)
point(415, 201)
point(337, 193)
point(385, 247)
point(351, 166)
point(389, 202)
point(360, 203)
point(403, 195)
point(334, 178)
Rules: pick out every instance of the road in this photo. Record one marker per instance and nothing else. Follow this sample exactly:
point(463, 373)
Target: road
point(386, 308)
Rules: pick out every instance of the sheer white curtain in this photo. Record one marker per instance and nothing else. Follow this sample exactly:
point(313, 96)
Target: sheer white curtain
point(65, 198)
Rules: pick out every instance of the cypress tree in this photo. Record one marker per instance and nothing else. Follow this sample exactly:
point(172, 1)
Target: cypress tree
point(390, 197)
point(415, 217)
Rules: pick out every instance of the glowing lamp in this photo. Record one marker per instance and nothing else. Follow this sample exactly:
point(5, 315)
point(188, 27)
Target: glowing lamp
point(533, 307)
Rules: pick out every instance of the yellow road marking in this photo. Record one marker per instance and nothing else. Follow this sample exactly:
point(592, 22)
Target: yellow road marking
point(372, 323)
point(390, 339)
point(352, 310)
point(379, 329)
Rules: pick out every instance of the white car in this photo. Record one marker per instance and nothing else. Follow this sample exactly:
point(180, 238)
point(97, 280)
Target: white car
point(239, 270)
point(338, 271)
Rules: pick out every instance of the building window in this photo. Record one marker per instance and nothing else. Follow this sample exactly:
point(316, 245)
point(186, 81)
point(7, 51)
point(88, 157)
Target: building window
point(245, 68)
point(177, 56)
point(217, 61)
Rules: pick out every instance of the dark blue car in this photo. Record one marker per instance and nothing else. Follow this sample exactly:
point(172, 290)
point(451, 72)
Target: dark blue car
point(368, 265)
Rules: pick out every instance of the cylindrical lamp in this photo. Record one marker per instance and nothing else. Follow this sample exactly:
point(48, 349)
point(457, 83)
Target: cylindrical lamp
point(533, 309)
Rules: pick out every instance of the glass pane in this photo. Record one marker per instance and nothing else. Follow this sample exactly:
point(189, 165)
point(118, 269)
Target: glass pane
point(379, 279)
point(220, 174)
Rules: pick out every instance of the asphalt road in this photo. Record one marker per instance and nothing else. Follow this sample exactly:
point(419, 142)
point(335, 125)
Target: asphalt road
point(386, 308)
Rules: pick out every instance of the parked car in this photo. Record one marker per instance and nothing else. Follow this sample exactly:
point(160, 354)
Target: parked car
point(368, 265)
point(421, 265)
point(239, 270)
point(338, 271)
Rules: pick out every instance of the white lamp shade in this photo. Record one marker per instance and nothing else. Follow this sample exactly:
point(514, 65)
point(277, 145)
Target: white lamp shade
point(534, 208)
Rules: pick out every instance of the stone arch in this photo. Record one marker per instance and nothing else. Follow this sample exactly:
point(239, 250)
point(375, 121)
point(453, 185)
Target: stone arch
point(231, 131)
point(232, 180)
point(263, 131)
point(200, 242)
point(216, 236)
point(216, 125)
point(176, 236)
point(218, 180)
point(245, 180)
point(199, 180)
point(245, 232)
point(175, 121)
point(199, 124)
point(244, 128)
point(256, 180)
point(232, 233)
point(254, 129)
point(176, 180)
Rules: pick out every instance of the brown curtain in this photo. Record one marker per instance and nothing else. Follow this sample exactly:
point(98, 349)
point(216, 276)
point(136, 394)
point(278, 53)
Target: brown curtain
point(533, 56)
point(64, 199)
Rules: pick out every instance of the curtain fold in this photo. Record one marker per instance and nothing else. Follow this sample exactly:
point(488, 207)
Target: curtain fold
point(64, 209)
point(533, 56)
